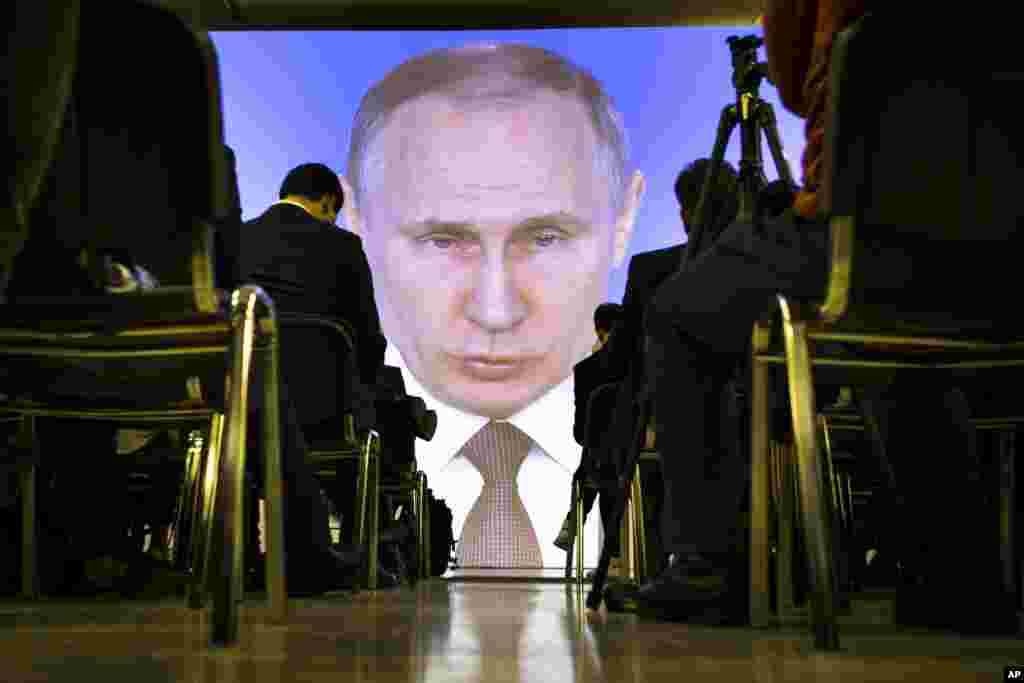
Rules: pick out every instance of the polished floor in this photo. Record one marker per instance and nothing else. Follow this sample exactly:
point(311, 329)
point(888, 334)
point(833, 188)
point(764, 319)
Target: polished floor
point(458, 631)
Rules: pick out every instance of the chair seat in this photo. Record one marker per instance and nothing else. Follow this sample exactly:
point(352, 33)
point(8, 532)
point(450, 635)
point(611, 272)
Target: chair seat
point(56, 349)
point(108, 316)
point(322, 447)
point(985, 322)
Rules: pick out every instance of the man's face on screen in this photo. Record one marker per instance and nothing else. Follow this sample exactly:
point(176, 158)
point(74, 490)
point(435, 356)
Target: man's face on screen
point(491, 233)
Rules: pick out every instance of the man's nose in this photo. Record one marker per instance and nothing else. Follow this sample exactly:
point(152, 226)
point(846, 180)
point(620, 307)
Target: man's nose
point(495, 303)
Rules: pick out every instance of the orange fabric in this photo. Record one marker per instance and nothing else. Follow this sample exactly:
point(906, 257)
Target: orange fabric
point(799, 35)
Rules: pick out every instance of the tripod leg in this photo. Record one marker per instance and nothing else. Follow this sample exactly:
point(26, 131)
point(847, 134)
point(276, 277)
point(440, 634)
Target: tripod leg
point(596, 594)
point(766, 117)
point(726, 125)
point(752, 179)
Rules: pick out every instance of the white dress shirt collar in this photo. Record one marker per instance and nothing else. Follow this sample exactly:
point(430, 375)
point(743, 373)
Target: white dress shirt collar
point(293, 203)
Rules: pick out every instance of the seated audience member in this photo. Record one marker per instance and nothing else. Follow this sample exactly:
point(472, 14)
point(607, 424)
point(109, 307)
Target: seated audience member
point(588, 375)
point(699, 324)
point(399, 419)
point(308, 265)
point(623, 361)
point(647, 270)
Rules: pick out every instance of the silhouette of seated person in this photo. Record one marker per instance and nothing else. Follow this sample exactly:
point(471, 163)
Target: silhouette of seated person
point(588, 378)
point(309, 265)
point(699, 323)
point(649, 269)
point(399, 419)
point(698, 326)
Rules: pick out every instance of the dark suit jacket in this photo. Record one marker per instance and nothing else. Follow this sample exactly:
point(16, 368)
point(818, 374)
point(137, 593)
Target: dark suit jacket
point(588, 375)
point(647, 271)
point(308, 266)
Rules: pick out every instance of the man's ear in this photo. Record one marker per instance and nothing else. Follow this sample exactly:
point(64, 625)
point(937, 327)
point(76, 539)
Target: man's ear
point(627, 217)
point(353, 219)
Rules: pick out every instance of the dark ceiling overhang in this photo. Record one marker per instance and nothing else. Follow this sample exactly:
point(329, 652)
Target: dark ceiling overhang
point(259, 15)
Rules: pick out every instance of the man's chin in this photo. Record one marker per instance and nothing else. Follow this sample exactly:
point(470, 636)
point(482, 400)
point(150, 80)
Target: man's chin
point(495, 409)
point(493, 401)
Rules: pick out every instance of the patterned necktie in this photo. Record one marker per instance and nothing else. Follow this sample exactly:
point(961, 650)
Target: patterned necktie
point(498, 533)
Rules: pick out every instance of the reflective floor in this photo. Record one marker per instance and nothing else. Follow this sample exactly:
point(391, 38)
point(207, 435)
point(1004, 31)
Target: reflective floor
point(458, 631)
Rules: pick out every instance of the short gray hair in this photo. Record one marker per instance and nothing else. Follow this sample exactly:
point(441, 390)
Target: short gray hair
point(457, 72)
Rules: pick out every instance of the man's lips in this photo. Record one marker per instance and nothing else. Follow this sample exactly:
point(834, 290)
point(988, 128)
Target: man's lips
point(493, 368)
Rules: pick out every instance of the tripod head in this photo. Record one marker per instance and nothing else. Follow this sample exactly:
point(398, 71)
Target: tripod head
point(747, 72)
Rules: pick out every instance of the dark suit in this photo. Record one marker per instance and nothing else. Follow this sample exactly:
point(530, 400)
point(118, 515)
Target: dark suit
point(588, 382)
point(623, 361)
point(616, 364)
point(698, 326)
point(308, 266)
point(588, 375)
point(647, 271)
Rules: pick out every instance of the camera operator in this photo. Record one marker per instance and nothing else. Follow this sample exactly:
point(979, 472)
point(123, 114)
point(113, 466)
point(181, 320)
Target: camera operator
point(699, 323)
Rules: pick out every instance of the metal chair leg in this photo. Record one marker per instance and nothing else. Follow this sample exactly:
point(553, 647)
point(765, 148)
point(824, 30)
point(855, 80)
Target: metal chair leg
point(277, 595)
point(813, 487)
point(421, 518)
point(1007, 512)
point(428, 496)
point(627, 550)
point(578, 541)
point(203, 519)
point(29, 438)
point(760, 482)
point(836, 508)
point(570, 554)
point(184, 509)
point(361, 505)
point(228, 550)
point(373, 516)
point(786, 545)
point(639, 528)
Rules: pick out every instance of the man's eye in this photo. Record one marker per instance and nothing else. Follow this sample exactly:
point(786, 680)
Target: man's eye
point(441, 242)
point(546, 239)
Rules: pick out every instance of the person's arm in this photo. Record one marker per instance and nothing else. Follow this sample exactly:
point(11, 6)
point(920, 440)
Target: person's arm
point(372, 343)
point(617, 352)
point(789, 27)
point(580, 398)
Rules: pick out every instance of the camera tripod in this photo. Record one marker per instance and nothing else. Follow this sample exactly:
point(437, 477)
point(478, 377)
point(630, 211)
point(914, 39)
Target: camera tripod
point(756, 118)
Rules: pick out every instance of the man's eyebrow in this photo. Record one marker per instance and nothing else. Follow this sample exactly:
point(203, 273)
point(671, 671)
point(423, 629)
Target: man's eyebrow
point(467, 229)
point(560, 219)
point(453, 228)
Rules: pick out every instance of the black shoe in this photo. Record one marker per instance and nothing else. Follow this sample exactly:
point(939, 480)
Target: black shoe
point(396, 534)
point(618, 595)
point(692, 588)
point(348, 556)
point(386, 579)
point(332, 569)
point(566, 535)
